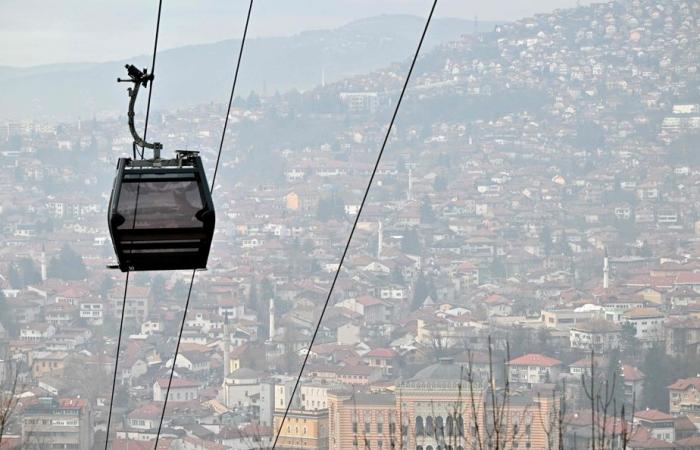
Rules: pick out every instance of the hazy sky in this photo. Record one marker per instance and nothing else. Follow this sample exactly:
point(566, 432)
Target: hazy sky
point(34, 32)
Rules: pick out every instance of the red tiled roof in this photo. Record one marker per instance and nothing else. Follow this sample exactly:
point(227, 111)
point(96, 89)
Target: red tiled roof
point(691, 441)
point(691, 278)
point(642, 313)
point(147, 411)
point(534, 359)
point(76, 403)
point(368, 300)
point(382, 353)
point(684, 383)
point(631, 373)
point(653, 414)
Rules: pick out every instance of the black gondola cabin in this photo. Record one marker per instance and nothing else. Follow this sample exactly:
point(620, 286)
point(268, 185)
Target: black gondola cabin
point(161, 215)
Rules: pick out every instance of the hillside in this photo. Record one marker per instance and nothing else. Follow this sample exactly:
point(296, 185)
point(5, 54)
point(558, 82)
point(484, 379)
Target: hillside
point(200, 74)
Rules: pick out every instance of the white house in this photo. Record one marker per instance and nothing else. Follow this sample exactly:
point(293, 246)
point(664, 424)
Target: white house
point(181, 390)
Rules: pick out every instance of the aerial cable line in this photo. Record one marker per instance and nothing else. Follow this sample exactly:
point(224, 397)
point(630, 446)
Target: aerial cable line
point(172, 369)
point(216, 168)
point(126, 282)
point(153, 71)
point(116, 363)
point(230, 100)
point(354, 225)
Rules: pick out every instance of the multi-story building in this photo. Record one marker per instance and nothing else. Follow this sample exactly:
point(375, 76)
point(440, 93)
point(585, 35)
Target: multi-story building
point(47, 363)
point(682, 336)
point(533, 369)
point(648, 323)
point(659, 423)
point(565, 319)
point(434, 410)
point(301, 429)
point(361, 420)
point(599, 335)
point(684, 398)
point(181, 390)
point(58, 423)
point(92, 312)
point(137, 303)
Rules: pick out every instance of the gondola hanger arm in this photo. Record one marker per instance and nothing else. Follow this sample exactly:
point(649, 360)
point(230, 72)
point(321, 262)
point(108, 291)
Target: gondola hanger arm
point(139, 78)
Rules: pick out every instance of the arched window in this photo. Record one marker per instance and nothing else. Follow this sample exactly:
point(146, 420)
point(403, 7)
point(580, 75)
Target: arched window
point(449, 425)
point(419, 426)
point(419, 447)
point(460, 425)
point(429, 426)
point(430, 447)
point(439, 427)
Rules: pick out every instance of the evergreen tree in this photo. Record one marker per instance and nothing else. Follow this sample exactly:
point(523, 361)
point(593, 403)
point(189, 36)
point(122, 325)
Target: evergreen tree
point(67, 265)
point(5, 313)
point(14, 277)
point(659, 370)
point(330, 208)
point(498, 269)
point(440, 183)
point(158, 284)
point(421, 290)
point(106, 285)
point(23, 272)
point(410, 242)
point(253, 296)
point(546, 239)
point(427, 215)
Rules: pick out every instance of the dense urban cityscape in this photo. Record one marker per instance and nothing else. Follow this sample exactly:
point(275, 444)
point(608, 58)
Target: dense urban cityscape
point(525, 273)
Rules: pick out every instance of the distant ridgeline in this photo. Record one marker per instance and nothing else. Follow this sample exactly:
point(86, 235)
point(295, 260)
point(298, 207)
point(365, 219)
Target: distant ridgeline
point(69, 91)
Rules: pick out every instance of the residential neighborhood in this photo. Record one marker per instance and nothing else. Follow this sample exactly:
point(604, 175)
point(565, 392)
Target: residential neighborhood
point(525, 272)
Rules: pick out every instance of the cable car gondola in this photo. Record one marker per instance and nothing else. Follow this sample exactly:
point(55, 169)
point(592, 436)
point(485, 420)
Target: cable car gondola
point(161, 215)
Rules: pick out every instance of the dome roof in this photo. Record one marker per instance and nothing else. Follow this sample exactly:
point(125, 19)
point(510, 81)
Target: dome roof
point(445, 369)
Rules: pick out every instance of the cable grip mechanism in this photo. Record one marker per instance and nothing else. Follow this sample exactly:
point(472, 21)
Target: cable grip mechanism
point(139, 78)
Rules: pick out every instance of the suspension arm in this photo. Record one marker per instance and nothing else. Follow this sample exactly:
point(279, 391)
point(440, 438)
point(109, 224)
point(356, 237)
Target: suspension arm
point(139, 78)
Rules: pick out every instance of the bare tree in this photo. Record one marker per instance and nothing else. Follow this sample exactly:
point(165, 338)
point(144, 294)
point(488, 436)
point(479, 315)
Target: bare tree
point(8, 401)
point(554, 425)
point(493, 423)
point(604, 406)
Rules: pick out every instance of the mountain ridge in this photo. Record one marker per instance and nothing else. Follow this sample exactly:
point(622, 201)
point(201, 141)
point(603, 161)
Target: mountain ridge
point(71, 90)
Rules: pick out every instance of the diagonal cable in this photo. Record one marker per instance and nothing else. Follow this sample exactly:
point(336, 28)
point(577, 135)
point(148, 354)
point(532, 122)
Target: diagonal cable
point(216, 168)
point(153, 71)
point(126, 283)
point(116, 362)
point(233, 90)
point(354, 225)
point(177, 350)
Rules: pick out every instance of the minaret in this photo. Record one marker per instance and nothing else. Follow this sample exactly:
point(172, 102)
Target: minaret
point(43, 264)
point(606, 270)
point(227, 348)
point(379, 240)
point(410, 182)
point(272, 318)
point(323, 77)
